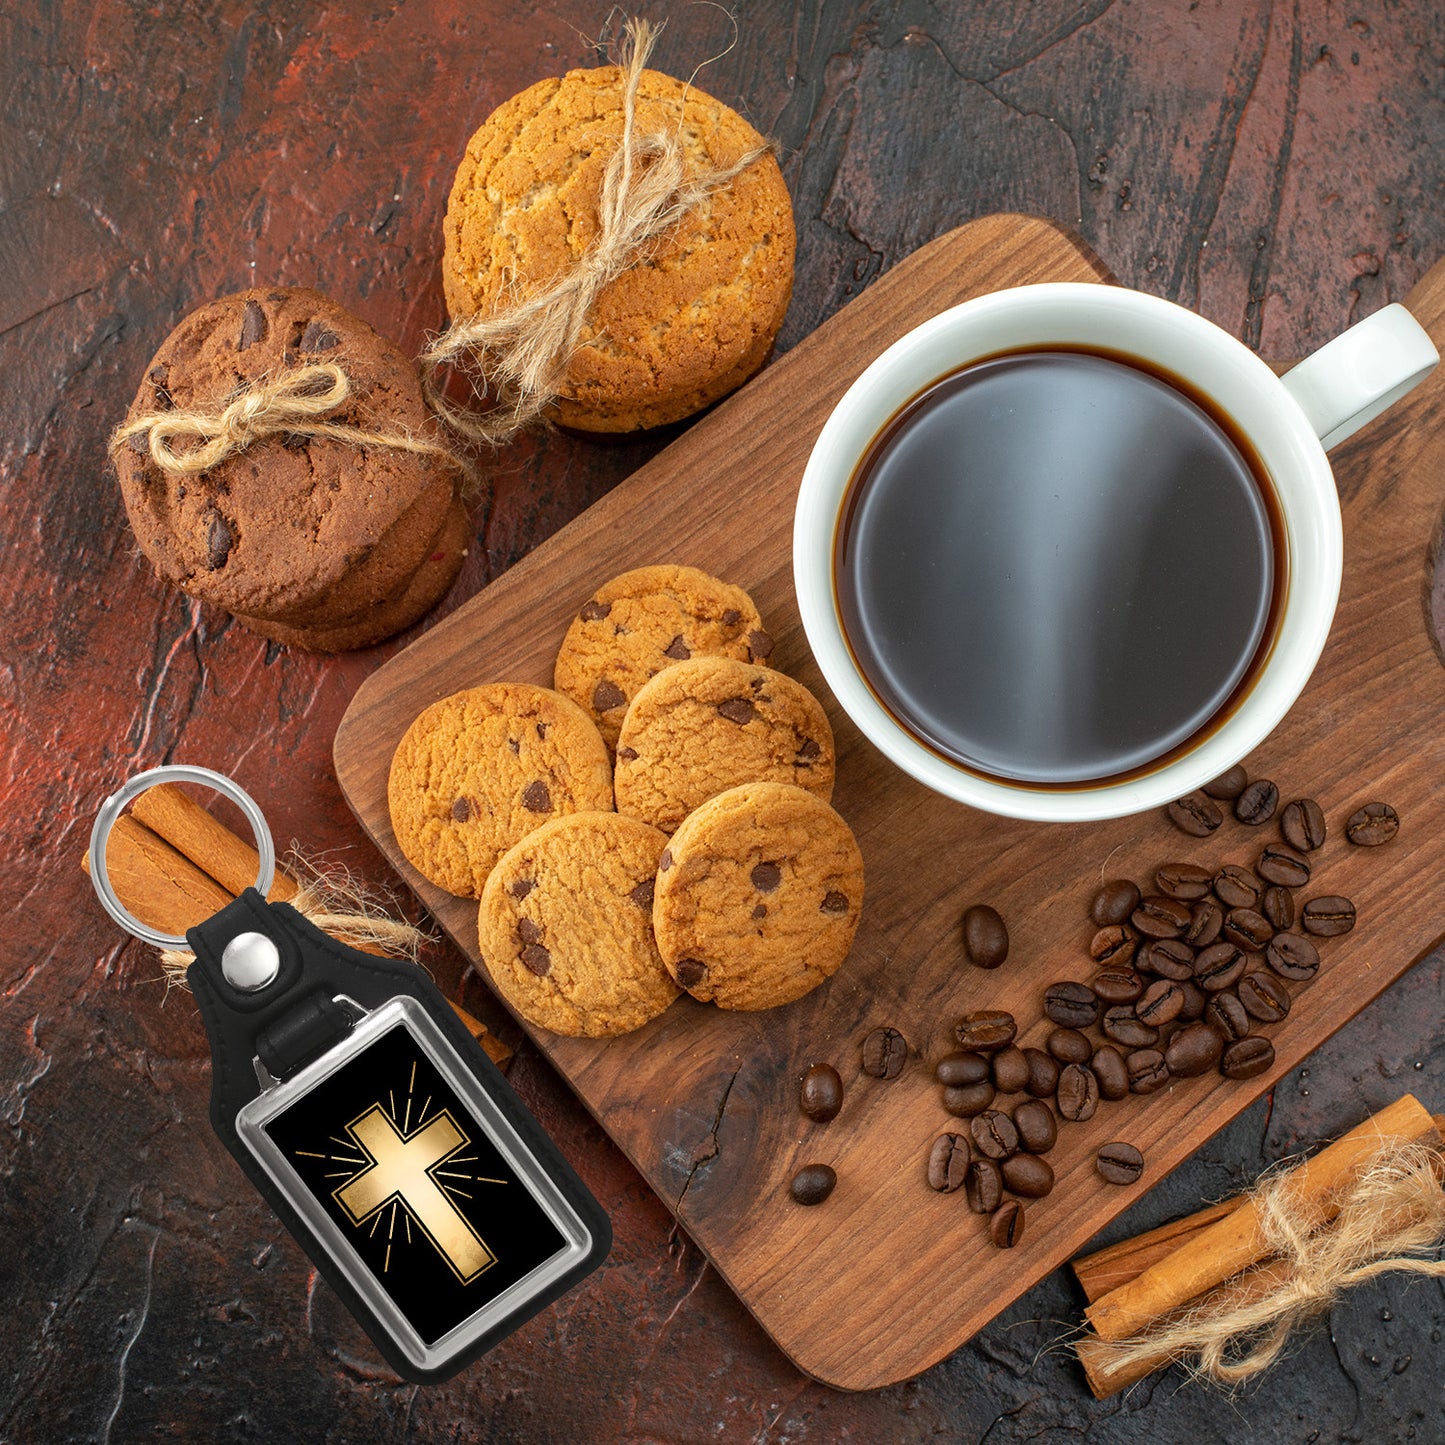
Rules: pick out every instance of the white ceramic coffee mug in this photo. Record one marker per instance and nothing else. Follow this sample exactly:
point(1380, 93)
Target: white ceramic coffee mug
point(1288, 421)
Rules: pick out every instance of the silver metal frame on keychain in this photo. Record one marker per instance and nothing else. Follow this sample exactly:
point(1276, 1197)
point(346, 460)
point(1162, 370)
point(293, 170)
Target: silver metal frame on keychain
point(143, 782)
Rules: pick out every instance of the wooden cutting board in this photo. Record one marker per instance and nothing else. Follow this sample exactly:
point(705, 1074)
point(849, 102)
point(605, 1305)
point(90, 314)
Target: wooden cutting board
point(888, 1277)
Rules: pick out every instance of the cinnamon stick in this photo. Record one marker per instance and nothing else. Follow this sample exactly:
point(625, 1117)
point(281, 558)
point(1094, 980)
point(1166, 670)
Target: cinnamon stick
point(1108, 1269)
point(1234, 1242)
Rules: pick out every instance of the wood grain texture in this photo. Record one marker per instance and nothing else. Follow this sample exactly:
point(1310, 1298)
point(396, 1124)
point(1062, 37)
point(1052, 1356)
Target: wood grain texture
point(720, 1137)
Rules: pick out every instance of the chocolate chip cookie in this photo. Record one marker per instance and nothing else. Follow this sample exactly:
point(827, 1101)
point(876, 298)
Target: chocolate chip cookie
point(637, 624)
point(479, 770)
point(708, 724)
point(758, 896)
point(565, 926)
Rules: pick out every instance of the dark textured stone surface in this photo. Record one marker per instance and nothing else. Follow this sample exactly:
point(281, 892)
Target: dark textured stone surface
point(1278, 166)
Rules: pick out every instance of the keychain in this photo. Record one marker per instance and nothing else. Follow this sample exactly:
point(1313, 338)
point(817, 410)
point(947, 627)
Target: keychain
point(372, 1122)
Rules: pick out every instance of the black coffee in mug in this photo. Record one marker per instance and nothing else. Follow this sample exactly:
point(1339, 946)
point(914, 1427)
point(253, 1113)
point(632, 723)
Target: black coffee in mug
point(1059, 567)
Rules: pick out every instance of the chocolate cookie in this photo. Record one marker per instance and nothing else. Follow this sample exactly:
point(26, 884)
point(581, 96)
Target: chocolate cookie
point(430, 583)
point(758, 896)
point(711, 723)
point(643, 621)
point(479, 770)
point(565, 926)
point(301, 531)
point(677, 329)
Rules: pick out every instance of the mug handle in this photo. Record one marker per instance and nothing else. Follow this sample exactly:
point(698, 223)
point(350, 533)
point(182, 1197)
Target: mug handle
point(1349, 381)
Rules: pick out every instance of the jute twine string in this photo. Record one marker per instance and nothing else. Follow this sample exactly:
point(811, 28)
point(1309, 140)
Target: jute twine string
point(1391, 1213)
point(520, 351)
point(293, 403)
point(336, 902)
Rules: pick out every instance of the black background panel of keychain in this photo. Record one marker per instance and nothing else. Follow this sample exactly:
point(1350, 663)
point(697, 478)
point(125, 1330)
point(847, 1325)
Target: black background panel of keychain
point(464, 1214)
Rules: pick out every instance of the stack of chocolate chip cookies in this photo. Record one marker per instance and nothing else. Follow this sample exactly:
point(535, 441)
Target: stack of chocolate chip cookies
point(309, 539)
point(709, 860)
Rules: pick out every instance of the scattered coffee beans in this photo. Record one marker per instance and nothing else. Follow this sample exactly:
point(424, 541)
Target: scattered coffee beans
point(1119, 1163)
point(1206, 918)
point(947, 1163)
point(1263, 997)
point(1219, 966)
point(994, 1135)
point(1194, 1001)
point(964, 1101)
point(1186, 882)
point(1193, 1050)
point(955, 1069)
point(1237, 887)
point(813, 1183)
point(1248, 929)
point(1006, 1228)
point(1160, 1004)
point(1114, 902)
point(1160, 917)
point(1293, 956)
point(1279, 863)
point(1069, 1046)
point(1279, 907)
point(1197, 814)
point(1010, 1070)
point(986, 1030)
point(1037, 1128)
point(983, 1186)
point(1303, 825)
point(1123, 1026)
point(1256, 804)
point(821, 1095)
point(1117, 985)
point(1328, 917)
point(1229, 784)
point(1167, 958)
point(1043, 1073)
point(1027, 1175)
point(985, 938)
point(885, 1051)
point(1109, 1069)
point(1227, 1016)
point(1072, 1005)
point(1245, 1058)
point(1078, 1094)
point(1114, 945)
point(1147, 1071)
point(1372, 825)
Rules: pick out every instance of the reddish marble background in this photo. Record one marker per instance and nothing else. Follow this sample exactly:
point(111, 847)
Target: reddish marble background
point(1277, 165)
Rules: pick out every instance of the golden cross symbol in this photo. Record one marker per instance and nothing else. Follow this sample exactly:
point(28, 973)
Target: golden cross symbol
point(401, 1168)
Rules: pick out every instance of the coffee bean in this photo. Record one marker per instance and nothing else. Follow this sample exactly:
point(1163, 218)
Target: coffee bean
point(821, 1096)
point(1247, 929)
point(1193, 1050)
point(1303, 824)
point(1123, 1026)
point(1264, 997)
point(1036, 1126)
point(1147, 1071)
point(1328, 917)
point(813, 1183)
point(1006, 1228)
point(1246, 1057)
point(1069, 1046)
point(1237, 887)
point(1114, 902)
point(985, 938)
point(1372, 825)
point(965, 1101)
point(1206, 918)
point(1195, 1000)
point(1229, 784)
point(986, 1030)
point(1293, 956)
point(885, 1051)
point(1116, 985)
point(1281, 864)
point(994, 1135)
point(1078, 1094)
point(1160, 917)
point(1196, 814)
point(1119, 1163)
point(1113, 945)
point(1256, 804)
point(956, 1069)
point(1160, 1004)
point(983, 1186)
point(1110, 1070)
point(1227, 1016)
point(1278, 906)
point(1167, 958)
point(1219, 966)
point(1010, 1070)
point(1028, 1175)
point(947, 1163)
point(1185, 881)
point(1073, 1005)
point(1043, 1073)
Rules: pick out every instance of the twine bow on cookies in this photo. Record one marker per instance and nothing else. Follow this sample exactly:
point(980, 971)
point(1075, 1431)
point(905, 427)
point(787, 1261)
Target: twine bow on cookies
point(521, 351)
point(294, 403)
